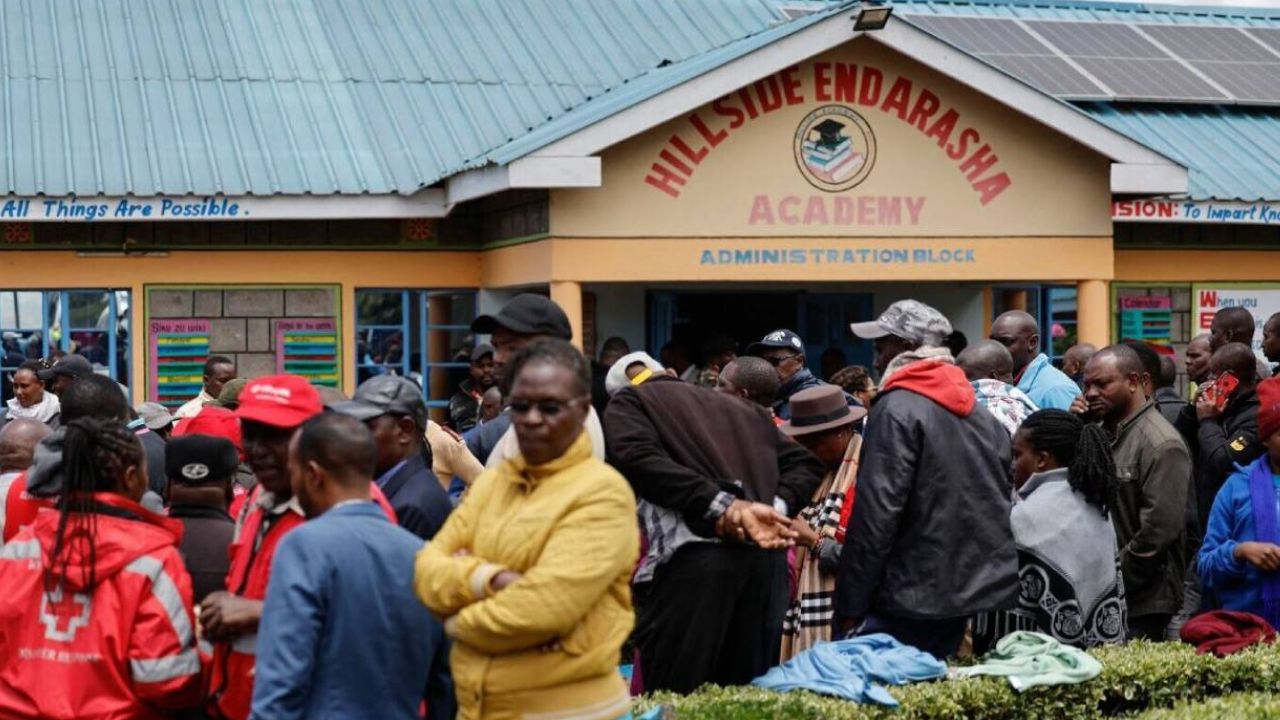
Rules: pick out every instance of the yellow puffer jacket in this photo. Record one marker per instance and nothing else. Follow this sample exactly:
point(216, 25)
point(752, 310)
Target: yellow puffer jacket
point(549, 643)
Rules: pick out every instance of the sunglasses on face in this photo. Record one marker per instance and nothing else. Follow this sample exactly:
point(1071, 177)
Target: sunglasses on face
point(777, 360)
point(546, 408)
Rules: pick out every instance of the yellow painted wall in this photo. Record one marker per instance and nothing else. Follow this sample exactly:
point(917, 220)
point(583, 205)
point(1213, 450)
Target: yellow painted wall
point(1196, 265)
point(823, 259)
point(349, 269)
point(751, 180)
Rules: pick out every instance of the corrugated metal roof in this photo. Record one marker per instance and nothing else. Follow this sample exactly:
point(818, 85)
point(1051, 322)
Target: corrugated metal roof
point(264, 97)
point(1232, 153)
point(261, 97)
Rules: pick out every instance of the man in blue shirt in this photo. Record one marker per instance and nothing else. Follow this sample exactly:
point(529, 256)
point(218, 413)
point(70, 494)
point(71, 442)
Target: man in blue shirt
point(342, 634)
point(1046, 385)
point(394, 411)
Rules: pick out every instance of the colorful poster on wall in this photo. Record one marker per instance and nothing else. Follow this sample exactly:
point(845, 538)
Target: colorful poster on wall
point(309, 347)
point(178, 350)
point(1147, 319)
point(1261, 300)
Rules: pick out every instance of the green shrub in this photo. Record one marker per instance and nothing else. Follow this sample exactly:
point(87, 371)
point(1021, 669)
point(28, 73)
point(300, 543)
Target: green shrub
point(1243, 706)
point(1135, 678)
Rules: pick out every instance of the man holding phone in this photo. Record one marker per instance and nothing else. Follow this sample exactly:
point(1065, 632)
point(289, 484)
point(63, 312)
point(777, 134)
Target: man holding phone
point(1222, 425)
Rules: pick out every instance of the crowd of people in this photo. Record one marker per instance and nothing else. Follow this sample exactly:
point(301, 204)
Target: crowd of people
point(277, 550)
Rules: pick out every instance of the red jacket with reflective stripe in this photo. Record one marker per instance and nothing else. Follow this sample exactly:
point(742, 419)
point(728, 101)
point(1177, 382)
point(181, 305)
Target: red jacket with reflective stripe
point(20, 509)
point(124, 648)
point(231, 671)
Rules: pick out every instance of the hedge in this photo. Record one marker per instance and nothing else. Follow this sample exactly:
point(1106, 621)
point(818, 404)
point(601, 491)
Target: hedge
point(1244, 706)
point(1135, 677)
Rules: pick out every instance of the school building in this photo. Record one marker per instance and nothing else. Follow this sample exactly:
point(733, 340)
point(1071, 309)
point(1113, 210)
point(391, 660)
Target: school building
point(337, 188)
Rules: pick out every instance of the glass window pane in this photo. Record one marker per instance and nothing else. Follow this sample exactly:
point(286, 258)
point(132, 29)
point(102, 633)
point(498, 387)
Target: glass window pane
point(20, 347)
point(94, 345)
point(89, 309)
point(442, 384)
point(379, 307)
point(449, 346)
point(451, 308)
point(21, 310)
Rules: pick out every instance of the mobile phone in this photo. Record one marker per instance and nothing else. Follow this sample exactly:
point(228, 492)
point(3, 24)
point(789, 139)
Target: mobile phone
point(1223, 386)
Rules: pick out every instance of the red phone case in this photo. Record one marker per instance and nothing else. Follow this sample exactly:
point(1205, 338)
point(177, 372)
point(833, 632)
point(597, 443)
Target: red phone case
point(1223, 387)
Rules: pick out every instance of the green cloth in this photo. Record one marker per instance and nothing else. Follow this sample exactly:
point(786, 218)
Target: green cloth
point(1030, 659)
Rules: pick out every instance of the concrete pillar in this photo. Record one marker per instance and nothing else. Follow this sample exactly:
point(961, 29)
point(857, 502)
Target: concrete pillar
point(1093, 312)
point(1015, 300)
point(347, 327)
point(568, 295)
point(988, 310)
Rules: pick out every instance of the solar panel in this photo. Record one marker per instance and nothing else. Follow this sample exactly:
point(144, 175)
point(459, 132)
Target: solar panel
point(1227, 56)
point(1096, 40)
point(1211, 44)
point(1007, 46)
point(1269, 37)
point(1092, 60)
point(1126, 62)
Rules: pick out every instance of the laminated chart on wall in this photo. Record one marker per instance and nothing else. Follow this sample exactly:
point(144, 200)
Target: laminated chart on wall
point(309, 347)
point(179, 349)
point(1147, 319)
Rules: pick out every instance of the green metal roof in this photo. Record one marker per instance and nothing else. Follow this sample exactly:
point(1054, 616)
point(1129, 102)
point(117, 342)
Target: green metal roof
point(265, 97)
point(325, 97)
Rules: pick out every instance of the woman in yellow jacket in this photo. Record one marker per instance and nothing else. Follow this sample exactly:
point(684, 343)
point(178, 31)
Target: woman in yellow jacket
point(531, 572)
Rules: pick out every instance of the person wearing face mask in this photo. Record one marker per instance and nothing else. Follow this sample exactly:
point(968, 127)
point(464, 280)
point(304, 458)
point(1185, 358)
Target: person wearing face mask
point(530, 574)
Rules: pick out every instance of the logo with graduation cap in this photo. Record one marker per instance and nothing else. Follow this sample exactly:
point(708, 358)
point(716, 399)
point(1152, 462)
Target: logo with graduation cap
point(835, 148)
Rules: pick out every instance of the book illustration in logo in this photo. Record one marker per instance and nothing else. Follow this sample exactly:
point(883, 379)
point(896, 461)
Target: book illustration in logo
point(835, 148)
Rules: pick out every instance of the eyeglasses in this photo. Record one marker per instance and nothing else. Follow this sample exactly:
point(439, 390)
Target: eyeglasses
point(546, 408)
point(777, 360)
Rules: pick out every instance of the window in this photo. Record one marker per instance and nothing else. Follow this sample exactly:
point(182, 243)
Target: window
point(424, 335)
point(37, 324)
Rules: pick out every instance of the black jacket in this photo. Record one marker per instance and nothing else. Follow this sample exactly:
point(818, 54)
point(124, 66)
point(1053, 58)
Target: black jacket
point(464, 407)
point(930, 536)
point(1170, 404)
point(208, 532)
point(802, 380)
point(679, 445)
point(1219, 445)
point(421, 504)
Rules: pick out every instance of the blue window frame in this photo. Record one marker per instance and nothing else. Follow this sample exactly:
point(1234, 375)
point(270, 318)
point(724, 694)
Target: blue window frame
point(424, 335)
point(37, 324)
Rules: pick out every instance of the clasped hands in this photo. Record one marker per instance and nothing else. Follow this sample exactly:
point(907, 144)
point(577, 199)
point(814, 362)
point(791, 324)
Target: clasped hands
point(756, 523)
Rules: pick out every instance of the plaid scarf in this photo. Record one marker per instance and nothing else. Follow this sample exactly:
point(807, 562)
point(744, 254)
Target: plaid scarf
point(808, 619)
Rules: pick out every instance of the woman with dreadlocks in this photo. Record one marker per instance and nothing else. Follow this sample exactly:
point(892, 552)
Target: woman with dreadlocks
point(95, 617)
point(1071, 587)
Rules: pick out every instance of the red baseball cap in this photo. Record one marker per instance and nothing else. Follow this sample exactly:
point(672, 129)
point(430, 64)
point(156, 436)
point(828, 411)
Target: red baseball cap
point(215, 421)
point(283, 401)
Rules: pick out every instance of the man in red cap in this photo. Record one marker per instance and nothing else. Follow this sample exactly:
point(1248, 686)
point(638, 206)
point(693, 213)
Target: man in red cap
point(271, 409)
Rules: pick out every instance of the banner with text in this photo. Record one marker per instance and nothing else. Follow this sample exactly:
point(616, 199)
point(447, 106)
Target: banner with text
point(1262, 301)
point(178, 350)
point(309, 347)
point(1213, 213)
